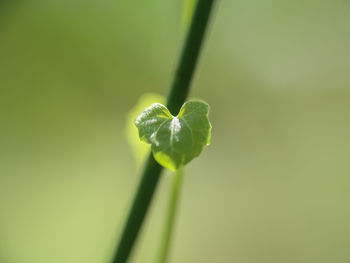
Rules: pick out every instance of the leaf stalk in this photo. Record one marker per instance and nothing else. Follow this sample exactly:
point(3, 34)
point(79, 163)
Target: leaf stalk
point(170, 215)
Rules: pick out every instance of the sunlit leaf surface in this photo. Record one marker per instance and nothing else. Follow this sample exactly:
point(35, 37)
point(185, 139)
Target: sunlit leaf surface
point(175, 140)
point(188, 8)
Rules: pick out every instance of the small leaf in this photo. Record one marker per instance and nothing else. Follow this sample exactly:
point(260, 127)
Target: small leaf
point(187, 13)
point(175, 140)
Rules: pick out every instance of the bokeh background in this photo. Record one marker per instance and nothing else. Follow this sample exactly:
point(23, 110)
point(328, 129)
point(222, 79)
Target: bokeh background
point(273, 186)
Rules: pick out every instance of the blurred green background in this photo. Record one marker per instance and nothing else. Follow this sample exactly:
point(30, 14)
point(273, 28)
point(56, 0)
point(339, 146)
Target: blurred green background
point(273, 186)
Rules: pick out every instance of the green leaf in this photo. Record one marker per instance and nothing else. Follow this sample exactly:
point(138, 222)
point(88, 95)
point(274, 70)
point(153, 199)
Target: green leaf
point(175, 140)
point(187, 13)
point(140, 149)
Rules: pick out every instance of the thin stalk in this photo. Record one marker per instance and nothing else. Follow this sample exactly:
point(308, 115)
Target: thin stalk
point(170, 216)
point(177, 96)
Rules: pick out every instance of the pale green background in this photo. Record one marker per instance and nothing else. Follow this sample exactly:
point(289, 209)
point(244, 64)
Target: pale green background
point(274, 185)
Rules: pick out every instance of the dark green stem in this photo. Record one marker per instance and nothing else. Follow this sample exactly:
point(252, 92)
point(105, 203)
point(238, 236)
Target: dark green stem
point(143, 197)
point(189, 56)
point(178, 94)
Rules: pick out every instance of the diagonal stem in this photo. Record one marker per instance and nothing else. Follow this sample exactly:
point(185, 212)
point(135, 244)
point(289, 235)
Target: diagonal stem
point(189, 56)
point(177, 96)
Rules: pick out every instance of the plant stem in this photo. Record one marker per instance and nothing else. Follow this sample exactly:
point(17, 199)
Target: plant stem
point(189, 56)
point(171, 215)
point(178, 94)
point(142, 199)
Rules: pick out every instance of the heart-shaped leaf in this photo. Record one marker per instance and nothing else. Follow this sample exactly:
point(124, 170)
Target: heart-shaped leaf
point(175, 140)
